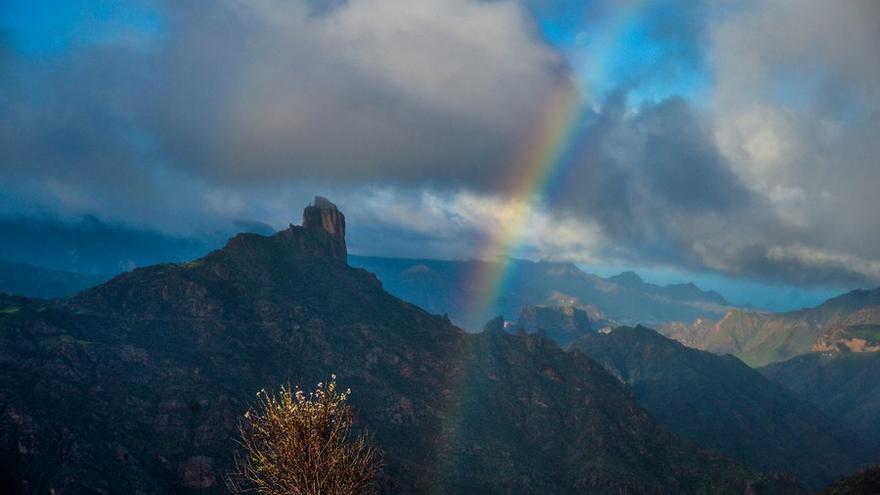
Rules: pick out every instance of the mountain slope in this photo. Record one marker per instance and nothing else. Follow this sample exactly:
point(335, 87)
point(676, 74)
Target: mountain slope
point(865, 482)
point(845, 385)
point(446, 287)
point(763, 338)
point(34, 281)
point(135, 386)
point(722, 403)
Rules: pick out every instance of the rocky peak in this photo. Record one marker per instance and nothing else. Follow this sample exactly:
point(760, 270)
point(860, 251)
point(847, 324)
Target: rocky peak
point(323, 224)
point(323, 215)
point(495, 325)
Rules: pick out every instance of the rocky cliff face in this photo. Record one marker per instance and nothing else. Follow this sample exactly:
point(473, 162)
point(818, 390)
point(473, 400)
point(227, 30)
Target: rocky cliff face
point(135, 386)
point(563, 324)
point(326, 223)
point(857, 332)
point(322, 233)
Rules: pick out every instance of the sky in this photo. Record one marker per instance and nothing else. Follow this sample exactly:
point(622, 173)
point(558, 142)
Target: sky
point(731, 142)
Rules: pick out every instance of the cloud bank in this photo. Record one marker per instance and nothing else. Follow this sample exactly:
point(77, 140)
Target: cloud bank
point(411, 115)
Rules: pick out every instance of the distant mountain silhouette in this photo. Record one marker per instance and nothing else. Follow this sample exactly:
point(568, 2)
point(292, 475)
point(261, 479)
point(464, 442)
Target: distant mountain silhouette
point(849, 321)
point(135, 386)
point(445, 287)
point(89, 245)
point(721, 403)
point(35, 281)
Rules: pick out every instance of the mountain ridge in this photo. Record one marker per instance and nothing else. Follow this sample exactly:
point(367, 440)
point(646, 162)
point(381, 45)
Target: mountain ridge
point(761, 338)
point(842, 384)
point(444, 287)
point(136, 385)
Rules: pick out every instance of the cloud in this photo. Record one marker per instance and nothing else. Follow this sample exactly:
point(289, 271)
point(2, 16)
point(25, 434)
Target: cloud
point(772, 180)
point(228, 98)
point(653, 179)
point(409, 115)
point(252, 92)
point(796, 103)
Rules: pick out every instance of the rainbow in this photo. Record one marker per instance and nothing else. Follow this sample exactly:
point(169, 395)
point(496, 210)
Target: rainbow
point(536, 171)
point(542, 163)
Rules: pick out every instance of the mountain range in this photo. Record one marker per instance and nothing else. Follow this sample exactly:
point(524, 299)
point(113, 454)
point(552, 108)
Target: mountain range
point(35, 281)
point(446, 287)
point(850, 321)
point(721, 403)
point(135, 386)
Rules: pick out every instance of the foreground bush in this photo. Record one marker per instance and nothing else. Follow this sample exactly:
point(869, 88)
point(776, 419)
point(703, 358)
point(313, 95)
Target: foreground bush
point(299, 444)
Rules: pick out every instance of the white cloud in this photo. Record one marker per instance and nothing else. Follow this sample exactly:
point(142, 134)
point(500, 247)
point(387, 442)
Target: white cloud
point(370, 90)
point(463, 224)
point(796, 101)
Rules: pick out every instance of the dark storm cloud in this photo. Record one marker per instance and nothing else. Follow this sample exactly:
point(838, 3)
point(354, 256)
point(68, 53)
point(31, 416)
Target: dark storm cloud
point(662, 192)
point(763, 263)
point(640, 172)
point(681, 163)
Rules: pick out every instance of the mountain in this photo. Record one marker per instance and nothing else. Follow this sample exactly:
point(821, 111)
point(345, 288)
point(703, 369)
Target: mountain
point(447, 287)
point(562, 324)
point(845, 385)
point(855, 333)
point(847, 321)
point(721, 403)
point(135, 386)
point(34, 281)
point(865, 482)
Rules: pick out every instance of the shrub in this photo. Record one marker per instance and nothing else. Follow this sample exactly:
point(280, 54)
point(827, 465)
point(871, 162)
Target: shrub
point(303, 444)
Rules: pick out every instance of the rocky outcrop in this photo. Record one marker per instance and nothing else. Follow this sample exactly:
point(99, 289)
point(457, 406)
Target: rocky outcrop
point(322, 233)
point(561, 323)
point(324, 221)
point(857, 332)
point(495, 325)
